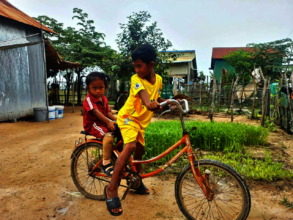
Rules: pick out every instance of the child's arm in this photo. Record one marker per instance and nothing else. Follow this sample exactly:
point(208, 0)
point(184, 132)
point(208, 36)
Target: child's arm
point(151, 106)
point(112, 117)
point(101, 117)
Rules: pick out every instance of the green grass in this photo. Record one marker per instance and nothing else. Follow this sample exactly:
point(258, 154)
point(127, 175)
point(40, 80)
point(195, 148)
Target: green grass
point(111, 102)
point(250, 168)
point(224, 141)
point(286, 203)
point(212, 136)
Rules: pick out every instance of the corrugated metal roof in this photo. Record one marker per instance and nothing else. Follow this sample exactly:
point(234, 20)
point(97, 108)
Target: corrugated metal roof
point(55, 61)
point(9, 11)
point(219, 52)
point(176, 51)
point(183, 59)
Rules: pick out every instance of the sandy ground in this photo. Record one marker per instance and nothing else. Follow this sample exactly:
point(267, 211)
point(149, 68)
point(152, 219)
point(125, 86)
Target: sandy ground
point(35, 180)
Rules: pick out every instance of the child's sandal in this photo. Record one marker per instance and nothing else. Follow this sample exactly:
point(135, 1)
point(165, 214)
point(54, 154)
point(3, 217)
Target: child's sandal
point(107, 169)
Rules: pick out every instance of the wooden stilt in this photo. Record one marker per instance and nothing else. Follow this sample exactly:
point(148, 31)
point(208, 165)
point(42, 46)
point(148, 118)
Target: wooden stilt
point(233, 91)
point(213, 98)
point(219, 96)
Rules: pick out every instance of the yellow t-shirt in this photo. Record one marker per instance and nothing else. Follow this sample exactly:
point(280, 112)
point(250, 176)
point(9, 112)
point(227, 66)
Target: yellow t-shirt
point(133, 108)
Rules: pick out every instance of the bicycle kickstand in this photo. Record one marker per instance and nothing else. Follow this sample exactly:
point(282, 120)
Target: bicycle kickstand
point(132, 181)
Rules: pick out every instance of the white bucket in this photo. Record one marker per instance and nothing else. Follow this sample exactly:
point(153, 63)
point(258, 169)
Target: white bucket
point(52, 112)
point(60, 109)
point(56, 113)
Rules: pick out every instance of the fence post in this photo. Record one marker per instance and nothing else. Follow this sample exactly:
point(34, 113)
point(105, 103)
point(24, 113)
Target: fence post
point(200, 95)
point(291, 77)
point(268, 94)
point(254, 96)
point(263, 98)
point(230, 93)
point(219, 96)
point(263, 103)
point(213, 98)
point(233, 91)
point(241, 96)
point(73, 92)
point(279, 106)
point(289, 104)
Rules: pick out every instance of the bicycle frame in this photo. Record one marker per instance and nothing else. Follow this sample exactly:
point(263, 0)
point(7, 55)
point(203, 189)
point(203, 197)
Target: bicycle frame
point(187, 149)
point(201, 180)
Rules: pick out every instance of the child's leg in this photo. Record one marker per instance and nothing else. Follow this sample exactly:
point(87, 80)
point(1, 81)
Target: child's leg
point(112, 188)
point(139, 152)
point(108, 141)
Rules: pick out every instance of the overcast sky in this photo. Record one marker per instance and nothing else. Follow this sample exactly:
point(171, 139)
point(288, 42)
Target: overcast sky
point(196, 25)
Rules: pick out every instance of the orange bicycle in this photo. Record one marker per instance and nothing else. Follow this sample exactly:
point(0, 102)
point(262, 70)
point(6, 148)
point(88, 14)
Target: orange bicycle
point(204, 189)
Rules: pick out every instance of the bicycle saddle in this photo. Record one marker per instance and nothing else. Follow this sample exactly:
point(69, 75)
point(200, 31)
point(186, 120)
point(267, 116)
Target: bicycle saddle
point(85, 133)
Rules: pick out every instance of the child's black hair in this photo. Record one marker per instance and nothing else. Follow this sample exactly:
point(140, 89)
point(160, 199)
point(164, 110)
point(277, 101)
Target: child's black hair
point(145, 52)
point(94, 75)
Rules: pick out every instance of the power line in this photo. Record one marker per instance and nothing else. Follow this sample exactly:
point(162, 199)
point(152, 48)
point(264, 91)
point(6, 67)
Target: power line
point(290, 33)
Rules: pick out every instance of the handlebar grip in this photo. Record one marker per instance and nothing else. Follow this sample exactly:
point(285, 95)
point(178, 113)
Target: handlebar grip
point(169, 101)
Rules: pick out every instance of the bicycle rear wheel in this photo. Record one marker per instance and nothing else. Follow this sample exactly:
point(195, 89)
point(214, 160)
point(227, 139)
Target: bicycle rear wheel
point(231, 194)
point(121, 101)
point(87, 183)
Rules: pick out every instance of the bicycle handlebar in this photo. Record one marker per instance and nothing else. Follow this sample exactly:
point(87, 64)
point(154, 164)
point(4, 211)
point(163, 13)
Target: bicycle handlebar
point(169, 101)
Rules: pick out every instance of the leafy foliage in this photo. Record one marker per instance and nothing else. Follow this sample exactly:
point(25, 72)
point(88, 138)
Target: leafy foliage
point(84, 45)
point(135, 33)
point(273, 57)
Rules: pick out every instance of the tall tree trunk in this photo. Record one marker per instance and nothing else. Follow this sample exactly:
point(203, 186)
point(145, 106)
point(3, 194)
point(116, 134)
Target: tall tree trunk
point(233, 91)
point(78, 72)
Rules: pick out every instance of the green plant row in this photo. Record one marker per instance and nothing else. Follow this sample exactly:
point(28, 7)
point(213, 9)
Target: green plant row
point(250, 168)
point(211, 136)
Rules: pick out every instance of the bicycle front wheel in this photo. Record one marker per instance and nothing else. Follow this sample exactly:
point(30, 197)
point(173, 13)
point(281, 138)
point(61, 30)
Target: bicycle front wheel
point(231, 194)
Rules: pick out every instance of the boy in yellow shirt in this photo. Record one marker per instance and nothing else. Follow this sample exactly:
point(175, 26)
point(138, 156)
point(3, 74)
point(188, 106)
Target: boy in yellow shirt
point(134, 117)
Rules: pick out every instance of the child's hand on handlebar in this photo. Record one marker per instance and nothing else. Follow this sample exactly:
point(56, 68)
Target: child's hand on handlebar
point(153, 106)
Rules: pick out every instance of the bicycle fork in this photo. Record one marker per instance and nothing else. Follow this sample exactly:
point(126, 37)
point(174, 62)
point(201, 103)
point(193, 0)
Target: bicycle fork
point(203, 181)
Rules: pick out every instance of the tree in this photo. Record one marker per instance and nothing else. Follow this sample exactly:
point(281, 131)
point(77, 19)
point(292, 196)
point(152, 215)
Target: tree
point(241, 60)
point(85, 45)
point(273, 57)
point(135, 33)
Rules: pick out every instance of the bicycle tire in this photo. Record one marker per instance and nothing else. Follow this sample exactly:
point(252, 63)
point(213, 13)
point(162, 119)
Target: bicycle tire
point(226, 171)
point(121, 101)
point(74, 173)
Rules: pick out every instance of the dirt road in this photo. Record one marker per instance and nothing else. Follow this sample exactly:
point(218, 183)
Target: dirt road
point(35, 180)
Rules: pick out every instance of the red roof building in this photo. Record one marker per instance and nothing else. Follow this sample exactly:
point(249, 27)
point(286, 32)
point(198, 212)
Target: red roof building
point(217, 61)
